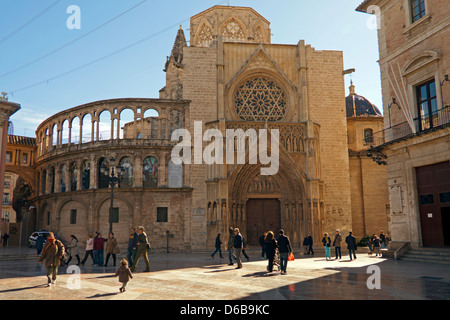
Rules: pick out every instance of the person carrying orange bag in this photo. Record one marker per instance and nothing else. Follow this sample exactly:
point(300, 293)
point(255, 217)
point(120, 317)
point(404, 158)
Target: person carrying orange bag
point(285, 249)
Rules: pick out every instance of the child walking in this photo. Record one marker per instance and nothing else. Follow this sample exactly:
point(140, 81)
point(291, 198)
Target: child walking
point(124, 274)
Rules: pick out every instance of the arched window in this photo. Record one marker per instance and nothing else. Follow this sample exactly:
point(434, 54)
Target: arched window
point(205, 36)
point(62, 178)
point(85, 175)
point(175, 121)
point(368, 135)
point(73, 177)
point(150, 172)
point(233, 32)
point(126, 180)
point(260, 99)
point(103, 173)
point(44, 182)
point(52, 180)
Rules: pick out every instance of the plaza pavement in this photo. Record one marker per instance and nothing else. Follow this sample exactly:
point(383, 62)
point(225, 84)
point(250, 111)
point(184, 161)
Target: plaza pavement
point(196, 276)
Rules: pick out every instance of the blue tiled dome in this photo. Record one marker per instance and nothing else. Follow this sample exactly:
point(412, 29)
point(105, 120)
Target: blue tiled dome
point(358, 106)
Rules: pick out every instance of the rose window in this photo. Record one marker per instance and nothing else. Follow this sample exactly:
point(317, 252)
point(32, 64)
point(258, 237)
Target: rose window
point(260, 99)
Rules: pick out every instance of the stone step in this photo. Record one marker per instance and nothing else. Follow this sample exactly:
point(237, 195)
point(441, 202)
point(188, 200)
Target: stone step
point(426, 256)
point(430, 255)
point(439, 261)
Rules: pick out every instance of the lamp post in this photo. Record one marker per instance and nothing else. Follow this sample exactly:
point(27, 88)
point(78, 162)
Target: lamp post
point(112, 182)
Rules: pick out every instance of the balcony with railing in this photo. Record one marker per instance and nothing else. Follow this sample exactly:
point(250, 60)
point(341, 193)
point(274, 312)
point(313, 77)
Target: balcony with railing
point(422, 125)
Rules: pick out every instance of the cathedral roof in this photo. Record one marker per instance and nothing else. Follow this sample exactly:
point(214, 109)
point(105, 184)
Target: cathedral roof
point(358, 106)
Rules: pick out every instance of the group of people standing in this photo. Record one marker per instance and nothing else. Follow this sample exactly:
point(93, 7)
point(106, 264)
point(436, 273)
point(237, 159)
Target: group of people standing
point(53, 253)
point(269, 244)
point(327, 243)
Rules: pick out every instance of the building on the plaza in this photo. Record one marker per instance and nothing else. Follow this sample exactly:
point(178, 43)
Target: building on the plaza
point(414, 61)
point(7, 109)
point(368, 179)
point(230, 77)
point(18, 215)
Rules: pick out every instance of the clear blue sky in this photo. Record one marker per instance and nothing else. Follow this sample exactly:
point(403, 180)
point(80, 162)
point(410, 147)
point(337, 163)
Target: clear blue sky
point(138, 71)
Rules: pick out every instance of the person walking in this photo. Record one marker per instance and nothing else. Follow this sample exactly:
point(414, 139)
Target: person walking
point(370, 244)
point(305, 246)
point(337, 244)
point(271, 247)
point(5, 240)
point(351, 245)
point(218, 246)
point(230, 245)
point(89, 250)
point(387, 240)
point(382, 239)
point(309, 243)
point(263, 245)
point(132, 246)
point(244, 247)
point(285, 249)
point(238, 244)
point(72, 249)
point(327, 244)
point(376, 245)
point(39, 244)
point(99, 248)
point(124, 274)
point(52, 253)
point(143, 245)
point(112, 248)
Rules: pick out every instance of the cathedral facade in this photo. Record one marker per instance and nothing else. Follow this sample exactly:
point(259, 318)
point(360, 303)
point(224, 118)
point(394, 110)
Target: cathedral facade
point(230, 77)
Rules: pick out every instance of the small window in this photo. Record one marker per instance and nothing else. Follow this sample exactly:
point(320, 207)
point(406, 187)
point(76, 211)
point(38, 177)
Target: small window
point(48, 218)
point(368, 135)
point(426, 199)
point(8, 157)
point(444, 197)
point(73, 216)
point(417, 9)
point(162, 214)
point(114, 216)
point(24, 158)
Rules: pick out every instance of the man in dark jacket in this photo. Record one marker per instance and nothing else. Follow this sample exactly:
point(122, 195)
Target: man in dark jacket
point(284, 248)
point(238, 245)
point(230, 245)
point(263, 245)
point(351, 245)
point(218, 246)
point(309, 243)
point(132, 246)
point(143, 246)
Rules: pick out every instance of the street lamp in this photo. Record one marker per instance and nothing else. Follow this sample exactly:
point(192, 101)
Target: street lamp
point(112, 182)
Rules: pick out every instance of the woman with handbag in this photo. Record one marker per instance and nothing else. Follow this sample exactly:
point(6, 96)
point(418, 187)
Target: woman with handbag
point(112, 248)
point(73, 250)
point(326, 240)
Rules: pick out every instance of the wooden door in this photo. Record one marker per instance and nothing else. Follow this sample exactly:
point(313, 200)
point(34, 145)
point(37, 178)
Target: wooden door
point(433, 185)
point(262, 215)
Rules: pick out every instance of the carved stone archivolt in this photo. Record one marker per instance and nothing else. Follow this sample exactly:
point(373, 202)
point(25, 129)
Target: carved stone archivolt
point(292, 135)
point(263, 185)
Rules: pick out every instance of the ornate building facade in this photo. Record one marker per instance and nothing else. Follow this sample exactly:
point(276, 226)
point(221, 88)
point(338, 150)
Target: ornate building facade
point(414, 62)
point(230, 77)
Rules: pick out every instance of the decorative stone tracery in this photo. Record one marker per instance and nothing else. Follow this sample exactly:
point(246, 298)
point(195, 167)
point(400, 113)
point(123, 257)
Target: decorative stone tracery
point(260, 99)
